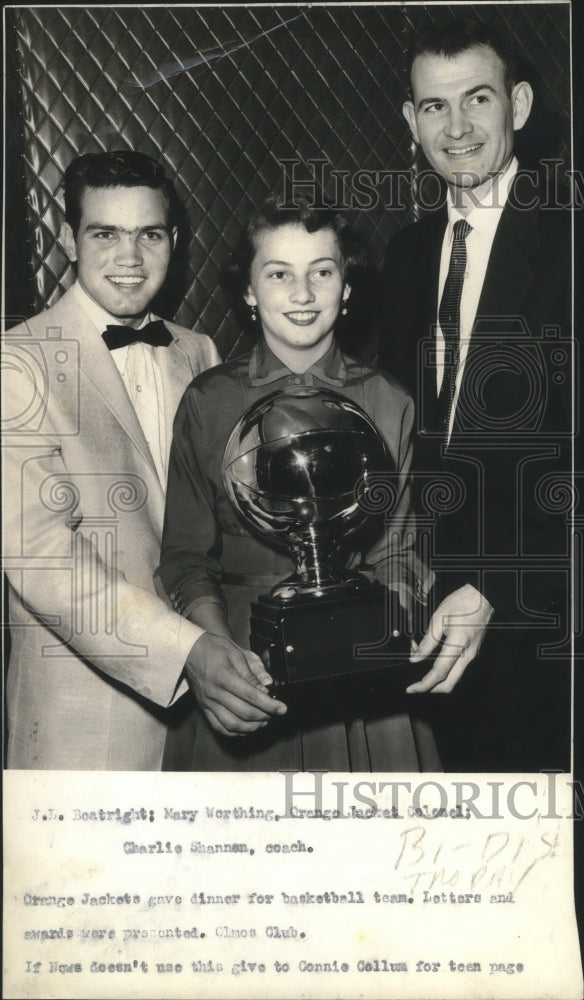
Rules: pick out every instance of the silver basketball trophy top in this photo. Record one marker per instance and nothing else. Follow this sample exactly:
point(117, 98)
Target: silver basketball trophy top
point(295, 466)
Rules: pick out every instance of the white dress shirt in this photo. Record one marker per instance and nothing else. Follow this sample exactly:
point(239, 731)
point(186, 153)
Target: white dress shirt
point(483, 219)
point(139, 368)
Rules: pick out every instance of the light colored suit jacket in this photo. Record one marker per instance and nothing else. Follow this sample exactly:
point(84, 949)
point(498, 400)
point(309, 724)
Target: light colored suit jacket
point(96, 655)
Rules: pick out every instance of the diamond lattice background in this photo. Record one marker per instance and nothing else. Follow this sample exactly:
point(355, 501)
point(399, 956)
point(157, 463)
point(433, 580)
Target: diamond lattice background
point(222, 96)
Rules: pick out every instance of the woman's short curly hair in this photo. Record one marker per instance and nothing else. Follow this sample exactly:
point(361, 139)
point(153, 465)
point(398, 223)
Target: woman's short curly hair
point(273, 214)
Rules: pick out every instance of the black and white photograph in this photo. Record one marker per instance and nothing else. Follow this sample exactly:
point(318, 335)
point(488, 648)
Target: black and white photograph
point(290, 501)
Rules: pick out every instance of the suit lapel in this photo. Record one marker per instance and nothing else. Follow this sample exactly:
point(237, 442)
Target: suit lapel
point(98, 367)
point(508, 278)
point(428, 270)
point(177, 371)
point(510, 272)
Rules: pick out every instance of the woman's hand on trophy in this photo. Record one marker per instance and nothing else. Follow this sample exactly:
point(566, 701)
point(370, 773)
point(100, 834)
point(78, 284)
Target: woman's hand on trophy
point(459, 625)
point(230, 685)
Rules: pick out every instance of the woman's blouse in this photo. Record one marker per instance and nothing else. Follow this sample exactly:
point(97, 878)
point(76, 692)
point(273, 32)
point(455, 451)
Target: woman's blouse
point(199, 513)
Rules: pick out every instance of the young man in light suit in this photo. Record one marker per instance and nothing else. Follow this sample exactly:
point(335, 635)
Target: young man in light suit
point(90, 388)
point(478, 330)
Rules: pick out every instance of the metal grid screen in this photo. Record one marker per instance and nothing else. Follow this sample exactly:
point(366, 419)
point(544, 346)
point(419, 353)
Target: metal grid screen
point(222, 96)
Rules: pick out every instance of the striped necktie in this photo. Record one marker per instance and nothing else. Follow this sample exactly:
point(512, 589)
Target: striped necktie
point(449, 319)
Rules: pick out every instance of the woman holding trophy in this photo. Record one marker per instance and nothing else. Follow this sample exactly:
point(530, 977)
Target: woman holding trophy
point(225, 541)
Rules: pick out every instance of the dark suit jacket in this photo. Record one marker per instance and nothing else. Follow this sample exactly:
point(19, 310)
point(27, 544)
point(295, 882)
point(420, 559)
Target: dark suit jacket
point(495, 501)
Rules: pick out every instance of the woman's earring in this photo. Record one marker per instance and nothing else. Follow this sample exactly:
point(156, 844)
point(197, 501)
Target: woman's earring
point(254, 315)
point(344, 309)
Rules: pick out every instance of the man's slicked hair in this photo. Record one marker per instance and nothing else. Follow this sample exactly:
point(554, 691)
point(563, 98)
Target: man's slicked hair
point(452, 38)
point(120, 168)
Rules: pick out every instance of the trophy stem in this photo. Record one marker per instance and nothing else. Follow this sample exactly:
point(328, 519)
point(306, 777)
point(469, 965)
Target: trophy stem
point(314, 562)
point(319, 570)
point(315, 559)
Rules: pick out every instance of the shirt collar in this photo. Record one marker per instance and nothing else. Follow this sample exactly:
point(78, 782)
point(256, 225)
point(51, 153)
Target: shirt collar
point(484, 217)
point(265, 367)
point(101, 319)
point(99, 316)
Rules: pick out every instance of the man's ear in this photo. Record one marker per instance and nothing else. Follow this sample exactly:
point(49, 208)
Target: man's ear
point(249, 297)
point(174, 236)
point(522, 99)
point(67, 241)
point(410, 116)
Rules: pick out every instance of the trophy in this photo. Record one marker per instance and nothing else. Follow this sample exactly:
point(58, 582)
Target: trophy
point(298, 467)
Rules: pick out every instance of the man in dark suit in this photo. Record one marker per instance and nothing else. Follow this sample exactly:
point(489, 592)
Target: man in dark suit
point(478, 329)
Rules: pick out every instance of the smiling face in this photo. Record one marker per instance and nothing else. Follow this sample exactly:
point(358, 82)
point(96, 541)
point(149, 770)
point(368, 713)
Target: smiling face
point(296, 282)
point(122, 248)
point(463, 115)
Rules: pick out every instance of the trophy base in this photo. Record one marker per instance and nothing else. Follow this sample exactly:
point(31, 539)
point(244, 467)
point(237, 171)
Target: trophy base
point(295, 587)
point(335, 656)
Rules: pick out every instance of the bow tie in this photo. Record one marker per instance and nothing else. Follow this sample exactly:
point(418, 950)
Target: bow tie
point(154, 333)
